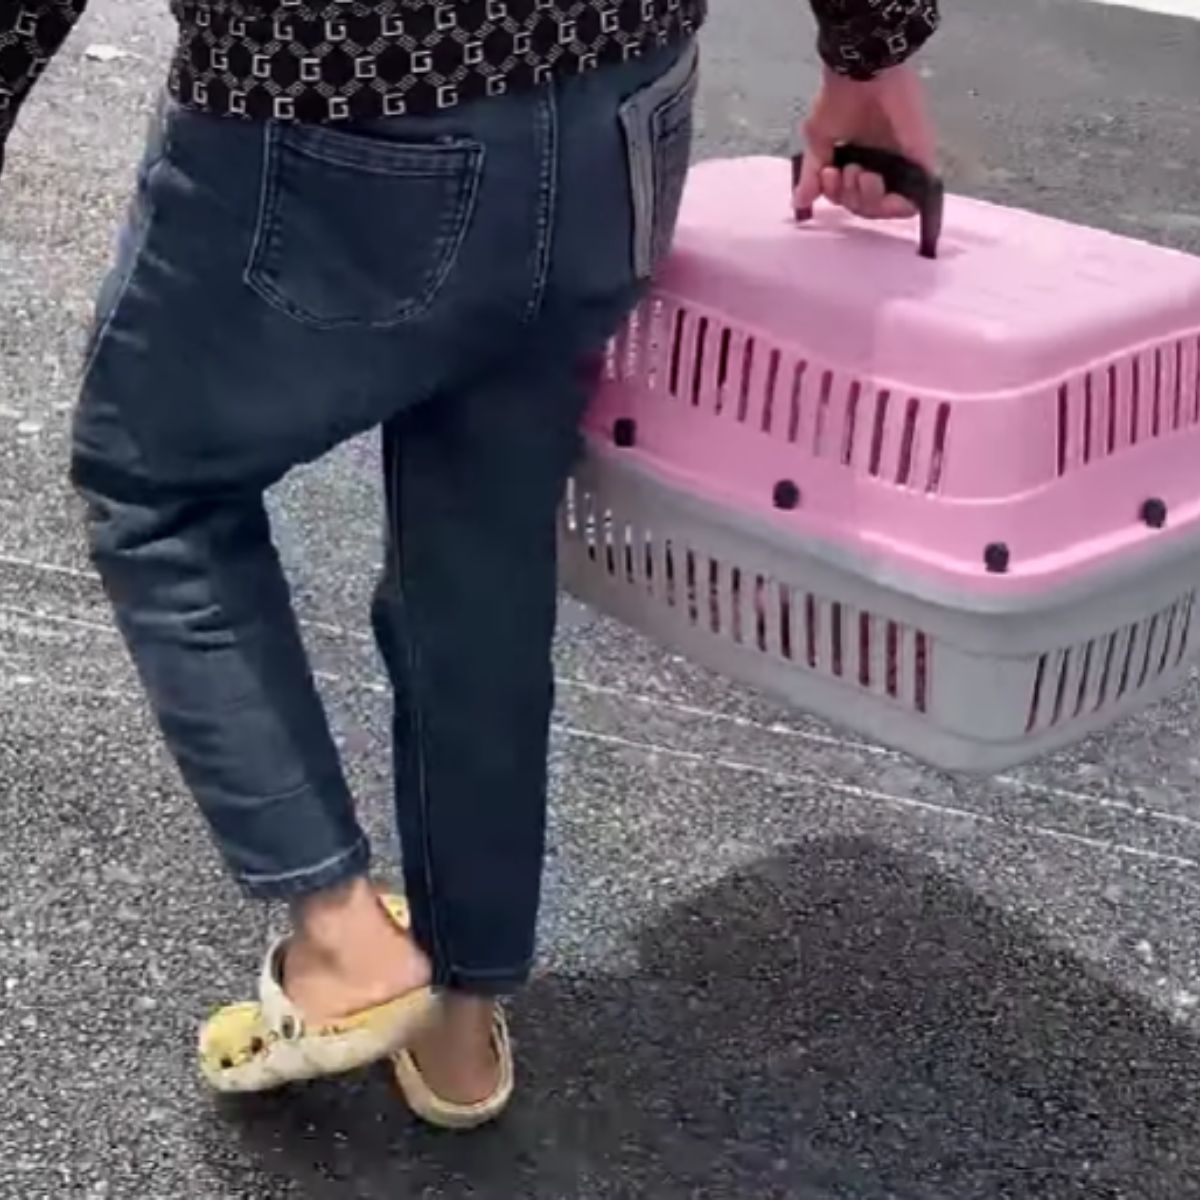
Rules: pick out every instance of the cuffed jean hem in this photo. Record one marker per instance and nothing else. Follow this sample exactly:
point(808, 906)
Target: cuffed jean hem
point(339, 868)
point(487, 985)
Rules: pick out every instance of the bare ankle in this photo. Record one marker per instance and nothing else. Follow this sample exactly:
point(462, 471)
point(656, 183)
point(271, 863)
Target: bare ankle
point(461, 1008)
point(327, 920)
point(347, 953)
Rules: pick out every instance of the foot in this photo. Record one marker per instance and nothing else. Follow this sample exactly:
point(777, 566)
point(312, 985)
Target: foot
point(348, 955)
point(456, 1055)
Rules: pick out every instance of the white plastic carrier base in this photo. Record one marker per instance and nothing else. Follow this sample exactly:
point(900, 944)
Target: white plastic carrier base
point(963, 682)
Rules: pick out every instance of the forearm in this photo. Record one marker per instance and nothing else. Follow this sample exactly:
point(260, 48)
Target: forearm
point(31, 31)
point(860, 38)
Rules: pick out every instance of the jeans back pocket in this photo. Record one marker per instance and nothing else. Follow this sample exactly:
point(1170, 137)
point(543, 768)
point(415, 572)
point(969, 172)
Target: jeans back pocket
point(358, 230)
point(659, 127)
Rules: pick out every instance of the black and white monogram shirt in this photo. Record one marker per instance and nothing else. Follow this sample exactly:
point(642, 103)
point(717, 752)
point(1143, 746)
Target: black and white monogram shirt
point(347, 60)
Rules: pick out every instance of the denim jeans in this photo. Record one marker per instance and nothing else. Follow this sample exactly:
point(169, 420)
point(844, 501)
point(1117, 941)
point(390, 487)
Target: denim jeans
point(280, 288)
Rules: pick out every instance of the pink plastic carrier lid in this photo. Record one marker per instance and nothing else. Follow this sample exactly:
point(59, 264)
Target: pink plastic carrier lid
point(1012, 300)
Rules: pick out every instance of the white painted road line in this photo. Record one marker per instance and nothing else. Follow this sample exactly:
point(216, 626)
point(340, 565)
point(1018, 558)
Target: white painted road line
point(1189, 9)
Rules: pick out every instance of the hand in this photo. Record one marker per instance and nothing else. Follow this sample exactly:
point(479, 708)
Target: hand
point(886, 113)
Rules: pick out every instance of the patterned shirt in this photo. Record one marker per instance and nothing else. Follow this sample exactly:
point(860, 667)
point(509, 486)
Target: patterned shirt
point(348, 60)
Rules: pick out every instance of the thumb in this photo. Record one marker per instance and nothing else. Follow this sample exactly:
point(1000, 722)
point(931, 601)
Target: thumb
point(817, 156)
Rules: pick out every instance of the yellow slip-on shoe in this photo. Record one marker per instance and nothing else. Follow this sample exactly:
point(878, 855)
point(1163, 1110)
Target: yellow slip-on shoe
point(256, 1046)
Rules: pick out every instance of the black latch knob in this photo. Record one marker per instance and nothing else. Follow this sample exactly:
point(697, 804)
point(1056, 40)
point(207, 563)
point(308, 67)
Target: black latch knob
point(1154, 513)
point(996, 558)
point(787, 495)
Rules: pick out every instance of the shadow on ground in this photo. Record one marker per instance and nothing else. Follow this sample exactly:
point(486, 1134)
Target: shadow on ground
point(836, 1022)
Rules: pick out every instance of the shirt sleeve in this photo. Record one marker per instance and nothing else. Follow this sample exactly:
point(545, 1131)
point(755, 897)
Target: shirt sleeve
point(31, 31)
point(860, 38)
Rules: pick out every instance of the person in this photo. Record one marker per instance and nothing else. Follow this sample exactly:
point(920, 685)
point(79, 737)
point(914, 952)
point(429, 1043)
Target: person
point(428, 218)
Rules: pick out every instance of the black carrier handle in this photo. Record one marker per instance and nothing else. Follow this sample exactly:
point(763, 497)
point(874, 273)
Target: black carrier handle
point(901, 177)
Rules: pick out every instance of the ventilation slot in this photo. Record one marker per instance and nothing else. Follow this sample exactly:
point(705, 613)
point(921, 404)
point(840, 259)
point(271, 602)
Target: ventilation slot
point(851, 424)
point(870, 432)
point(796, 405)
point(569, 513)
point(724, 600)
point(656, 342)
point(1077, 681)
point(678, 330)
point(859, 648)
point(937, 459)
point(768, 413)
point(904, 470)
point(1139, 398)
point(878, 433)
point(722, 370)
point(696, 362)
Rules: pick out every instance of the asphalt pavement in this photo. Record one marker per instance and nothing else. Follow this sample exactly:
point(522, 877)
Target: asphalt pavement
point(777, 962)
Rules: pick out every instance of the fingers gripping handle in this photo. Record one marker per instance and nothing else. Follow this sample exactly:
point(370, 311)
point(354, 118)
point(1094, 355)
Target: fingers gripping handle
point(901, 177)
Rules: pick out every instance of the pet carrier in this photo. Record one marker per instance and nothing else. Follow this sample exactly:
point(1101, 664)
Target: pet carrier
point(949, 499)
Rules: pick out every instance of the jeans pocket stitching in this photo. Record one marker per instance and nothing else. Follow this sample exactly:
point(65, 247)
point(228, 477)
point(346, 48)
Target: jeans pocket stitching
point(393, 160)
point(262, 244)
point(453, 225)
